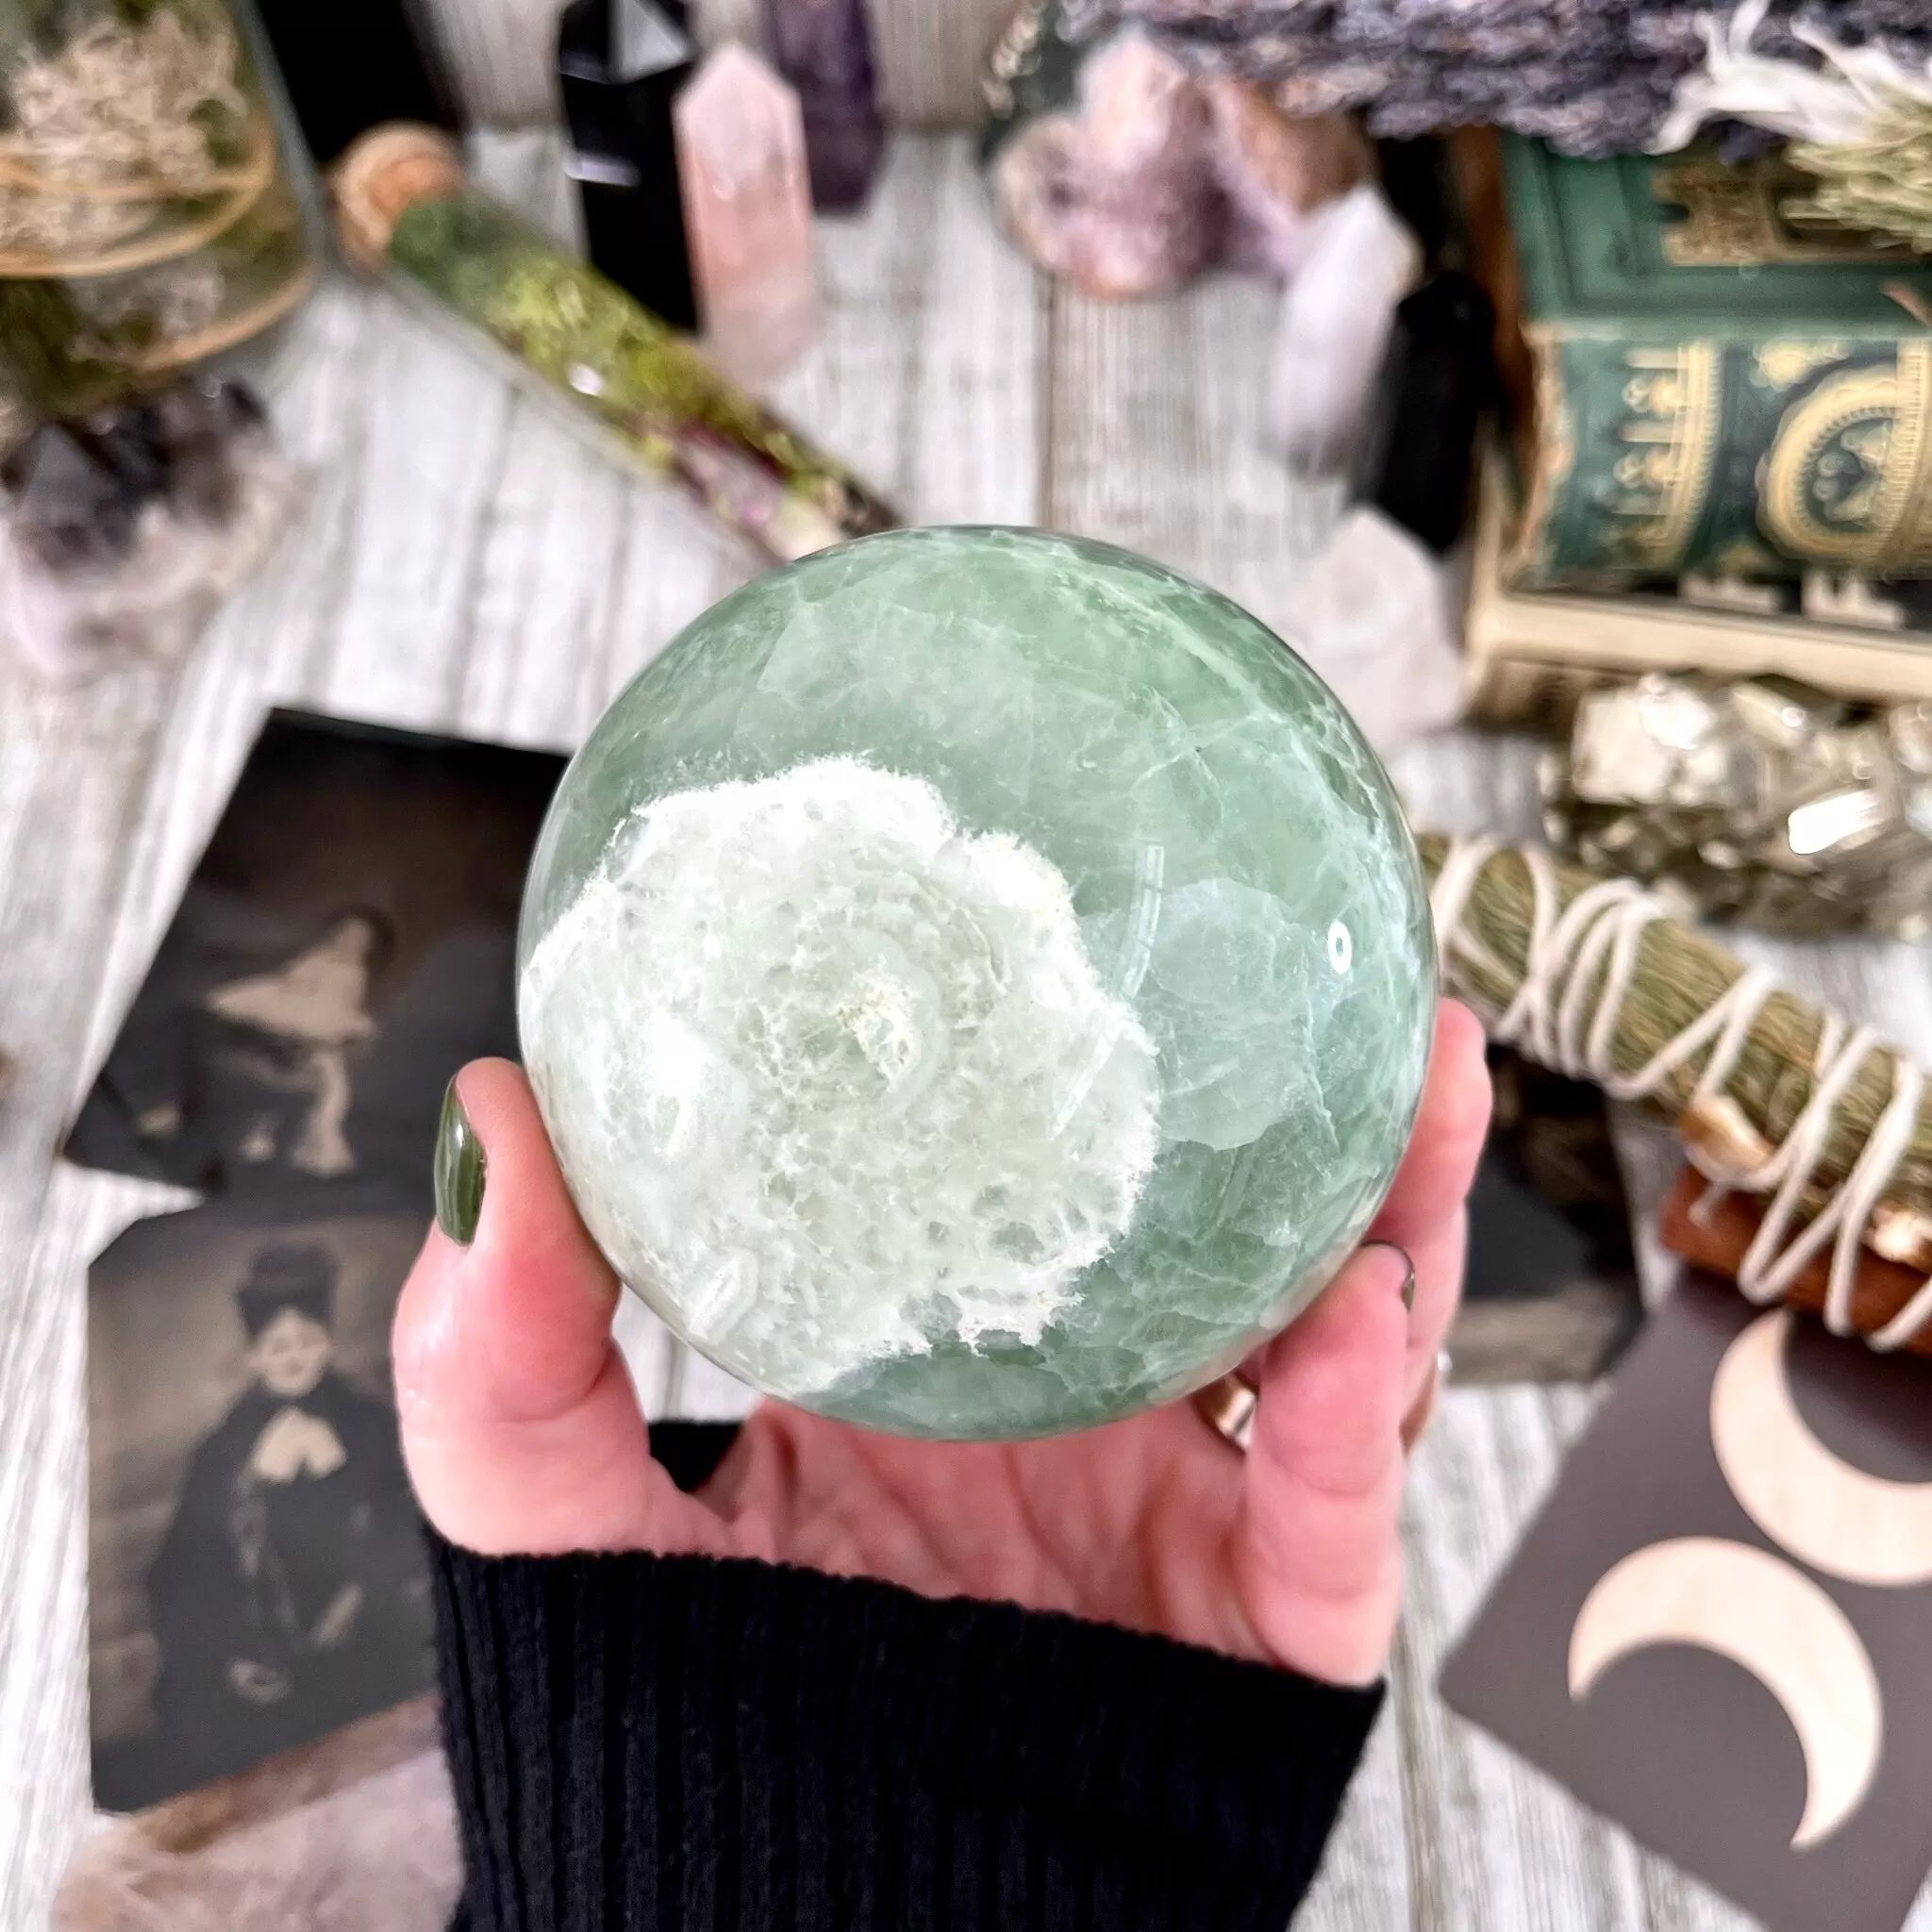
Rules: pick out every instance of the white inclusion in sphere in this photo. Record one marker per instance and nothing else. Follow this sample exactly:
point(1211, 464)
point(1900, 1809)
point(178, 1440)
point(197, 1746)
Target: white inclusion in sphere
point(846, 1075)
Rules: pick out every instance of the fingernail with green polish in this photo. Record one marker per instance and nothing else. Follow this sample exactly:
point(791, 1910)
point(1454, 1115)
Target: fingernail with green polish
point(459, 1166)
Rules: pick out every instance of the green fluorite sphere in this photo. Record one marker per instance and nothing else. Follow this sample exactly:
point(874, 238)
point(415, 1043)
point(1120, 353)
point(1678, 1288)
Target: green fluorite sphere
point(978, 983)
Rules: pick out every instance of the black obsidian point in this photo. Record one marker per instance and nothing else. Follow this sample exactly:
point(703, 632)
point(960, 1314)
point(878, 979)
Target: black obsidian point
point(1437, 378)
point(621, 64)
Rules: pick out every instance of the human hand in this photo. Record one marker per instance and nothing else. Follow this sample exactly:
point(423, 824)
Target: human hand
point(524, 1433)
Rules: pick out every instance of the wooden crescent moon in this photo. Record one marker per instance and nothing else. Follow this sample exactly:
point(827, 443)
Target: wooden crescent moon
point(1825, 1511)
point(1751, 1606)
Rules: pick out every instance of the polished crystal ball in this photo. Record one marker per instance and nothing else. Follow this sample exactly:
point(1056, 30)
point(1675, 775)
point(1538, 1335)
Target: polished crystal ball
point(978, 983)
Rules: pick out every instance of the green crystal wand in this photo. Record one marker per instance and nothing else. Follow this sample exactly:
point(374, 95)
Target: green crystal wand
point(404, 208)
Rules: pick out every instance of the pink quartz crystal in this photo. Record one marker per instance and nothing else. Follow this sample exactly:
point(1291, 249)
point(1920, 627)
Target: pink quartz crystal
point(747, 212)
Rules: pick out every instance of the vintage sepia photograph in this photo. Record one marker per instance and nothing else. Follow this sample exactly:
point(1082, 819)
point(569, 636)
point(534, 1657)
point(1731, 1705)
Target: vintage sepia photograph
point(257, 1568)
point(346, 942)
point(1551, 1292)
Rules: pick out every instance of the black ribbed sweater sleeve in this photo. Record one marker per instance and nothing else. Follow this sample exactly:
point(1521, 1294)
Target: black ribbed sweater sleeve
point(681, 1744)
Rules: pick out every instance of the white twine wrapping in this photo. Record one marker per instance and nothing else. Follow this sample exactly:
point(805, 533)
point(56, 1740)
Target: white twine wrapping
point(1557, 1022)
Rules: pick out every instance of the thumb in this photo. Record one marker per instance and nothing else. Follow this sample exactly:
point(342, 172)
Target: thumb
point(520, 1426)
point(1315, 1553)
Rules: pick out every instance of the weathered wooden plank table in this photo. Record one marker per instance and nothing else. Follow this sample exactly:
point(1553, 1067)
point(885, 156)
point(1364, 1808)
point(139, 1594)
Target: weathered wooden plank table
point(463, 563)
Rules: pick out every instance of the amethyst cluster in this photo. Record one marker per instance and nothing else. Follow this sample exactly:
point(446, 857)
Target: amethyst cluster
point(121, 534)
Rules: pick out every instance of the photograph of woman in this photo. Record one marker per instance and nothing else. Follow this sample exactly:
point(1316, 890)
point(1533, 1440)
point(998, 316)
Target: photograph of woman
point(346, 942)
point(280, 1589)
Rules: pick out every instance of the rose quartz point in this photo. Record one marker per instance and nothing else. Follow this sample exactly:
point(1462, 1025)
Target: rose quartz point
point(747, 211)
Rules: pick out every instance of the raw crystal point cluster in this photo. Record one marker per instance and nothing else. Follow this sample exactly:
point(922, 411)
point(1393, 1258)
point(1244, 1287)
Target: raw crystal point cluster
point(120, 536)
point(978, 983)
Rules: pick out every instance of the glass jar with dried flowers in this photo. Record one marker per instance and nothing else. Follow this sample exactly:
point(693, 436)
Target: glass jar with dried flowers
point(151, 212)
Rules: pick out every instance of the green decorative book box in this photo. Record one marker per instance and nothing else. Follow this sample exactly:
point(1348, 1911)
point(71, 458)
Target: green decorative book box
point(1719, 388)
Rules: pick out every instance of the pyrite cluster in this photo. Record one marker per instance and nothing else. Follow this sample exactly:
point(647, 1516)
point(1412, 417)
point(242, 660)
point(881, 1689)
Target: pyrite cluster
point(1763, 800)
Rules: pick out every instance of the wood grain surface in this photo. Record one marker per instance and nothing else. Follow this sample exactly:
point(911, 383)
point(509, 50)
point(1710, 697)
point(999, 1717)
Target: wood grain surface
point(928, 53)
point(461, 562)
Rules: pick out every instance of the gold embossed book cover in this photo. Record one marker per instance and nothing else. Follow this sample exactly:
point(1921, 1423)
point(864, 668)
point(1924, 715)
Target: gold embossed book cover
point(1530, 654)
point(1719, 389)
